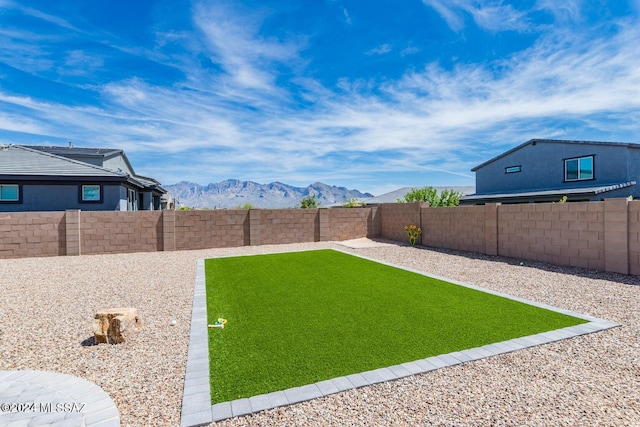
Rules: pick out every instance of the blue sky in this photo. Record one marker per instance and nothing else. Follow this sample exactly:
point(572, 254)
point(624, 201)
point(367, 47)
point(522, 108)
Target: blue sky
point(373, 95)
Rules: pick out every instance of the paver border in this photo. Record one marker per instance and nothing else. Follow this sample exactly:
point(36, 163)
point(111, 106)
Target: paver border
point(196, 401)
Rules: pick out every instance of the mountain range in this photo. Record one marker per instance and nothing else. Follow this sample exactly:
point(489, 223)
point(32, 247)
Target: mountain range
point(233, 193)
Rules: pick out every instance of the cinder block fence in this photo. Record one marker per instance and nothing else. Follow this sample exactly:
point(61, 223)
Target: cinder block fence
point(597, 235)
point(73, 232)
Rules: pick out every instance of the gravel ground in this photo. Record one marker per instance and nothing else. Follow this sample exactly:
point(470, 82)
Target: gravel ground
point(47, 307)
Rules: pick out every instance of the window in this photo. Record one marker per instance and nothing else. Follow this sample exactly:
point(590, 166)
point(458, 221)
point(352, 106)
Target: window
point(9, 193)
point(91, 193)
point(578, 169)
point(512, 169)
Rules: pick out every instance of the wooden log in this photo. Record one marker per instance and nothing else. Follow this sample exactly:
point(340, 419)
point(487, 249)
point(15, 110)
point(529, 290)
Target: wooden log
point(115, 325)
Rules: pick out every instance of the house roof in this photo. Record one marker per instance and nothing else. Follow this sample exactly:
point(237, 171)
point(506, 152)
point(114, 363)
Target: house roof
point(83, 151)
point(543, 195)
point(555, 141)
point(18, 161)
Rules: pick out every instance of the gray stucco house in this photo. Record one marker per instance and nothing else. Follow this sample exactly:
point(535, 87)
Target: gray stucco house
point(42, 178)
point(545, 170)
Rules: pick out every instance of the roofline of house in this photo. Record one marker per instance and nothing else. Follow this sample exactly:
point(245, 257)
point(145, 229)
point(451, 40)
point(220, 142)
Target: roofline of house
point(85, 164)
point(108, 153)
point(561, 141)
point(545, 195)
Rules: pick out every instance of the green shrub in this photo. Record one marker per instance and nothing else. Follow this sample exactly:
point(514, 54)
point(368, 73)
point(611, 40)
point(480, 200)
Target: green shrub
point(430, 195)
point(353, 203)
point(309, 202)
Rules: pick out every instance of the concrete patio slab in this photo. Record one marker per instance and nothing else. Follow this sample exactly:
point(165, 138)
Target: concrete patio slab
point(31, 398)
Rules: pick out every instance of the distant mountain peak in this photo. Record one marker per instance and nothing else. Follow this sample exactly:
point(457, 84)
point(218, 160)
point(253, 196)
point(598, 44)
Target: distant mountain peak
point(232, 193)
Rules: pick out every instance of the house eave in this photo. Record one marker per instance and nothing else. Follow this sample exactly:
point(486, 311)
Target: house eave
point(74, 179)
point(544, 195)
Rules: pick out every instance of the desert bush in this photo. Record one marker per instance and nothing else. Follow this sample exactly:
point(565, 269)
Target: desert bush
point(353, 203)
point(309, 202)
point(430, 195)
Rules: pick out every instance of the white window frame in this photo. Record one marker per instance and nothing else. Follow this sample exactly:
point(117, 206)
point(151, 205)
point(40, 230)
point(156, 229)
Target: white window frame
point(16, 186)
point(132, 200)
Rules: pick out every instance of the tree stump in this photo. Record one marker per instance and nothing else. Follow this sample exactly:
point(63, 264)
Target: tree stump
point(115, 325)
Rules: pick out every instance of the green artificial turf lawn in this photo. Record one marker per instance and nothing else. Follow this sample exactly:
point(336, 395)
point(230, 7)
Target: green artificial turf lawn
point(303, 317)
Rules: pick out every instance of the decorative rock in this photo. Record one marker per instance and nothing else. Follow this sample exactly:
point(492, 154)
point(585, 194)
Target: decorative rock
point(115, 325)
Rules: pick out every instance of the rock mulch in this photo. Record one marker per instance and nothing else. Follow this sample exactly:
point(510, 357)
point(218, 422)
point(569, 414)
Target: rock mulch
point(47, 307)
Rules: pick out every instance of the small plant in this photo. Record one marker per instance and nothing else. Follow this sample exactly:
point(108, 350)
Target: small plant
point(309, 202)
point(413, 232)
point(354, 203)
point(246, 206)
point(184, 208)
point(630, 198)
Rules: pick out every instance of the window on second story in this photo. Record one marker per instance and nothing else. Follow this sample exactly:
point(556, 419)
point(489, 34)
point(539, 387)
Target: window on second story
point(513, 169)
point(578, 169)
point(9, 193)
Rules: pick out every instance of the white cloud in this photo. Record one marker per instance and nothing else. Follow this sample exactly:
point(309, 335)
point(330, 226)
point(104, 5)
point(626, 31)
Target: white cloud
point(234, 41)
point(347, 17)
point(431, 120)
point(380, 50)
point(454, 21)
point(78, 62)
point(409, 50)
point(19, 123)
point(567, 10)
point(490, 15)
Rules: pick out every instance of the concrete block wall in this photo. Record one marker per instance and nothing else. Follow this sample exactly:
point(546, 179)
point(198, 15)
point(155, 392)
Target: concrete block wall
point(616, 235)
point(351, 223)
point(219, 228)
point(460, 228)
point(119, 231)
point(28, 234)
point(562, 233)
point(72, 232)
point(597, 235)
point(394, 217)
point(634, 237)
point(278, 226)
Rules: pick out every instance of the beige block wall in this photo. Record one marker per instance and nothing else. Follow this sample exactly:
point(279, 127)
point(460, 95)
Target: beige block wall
point(32, 234)
point(394, 217)
point(634, 237)
point(218, 228)
point(120, 231)
point(562, 233)
point(597, 235)
point(350, 223)
point(460, 228)
point(280, 226)
point(616, 235)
